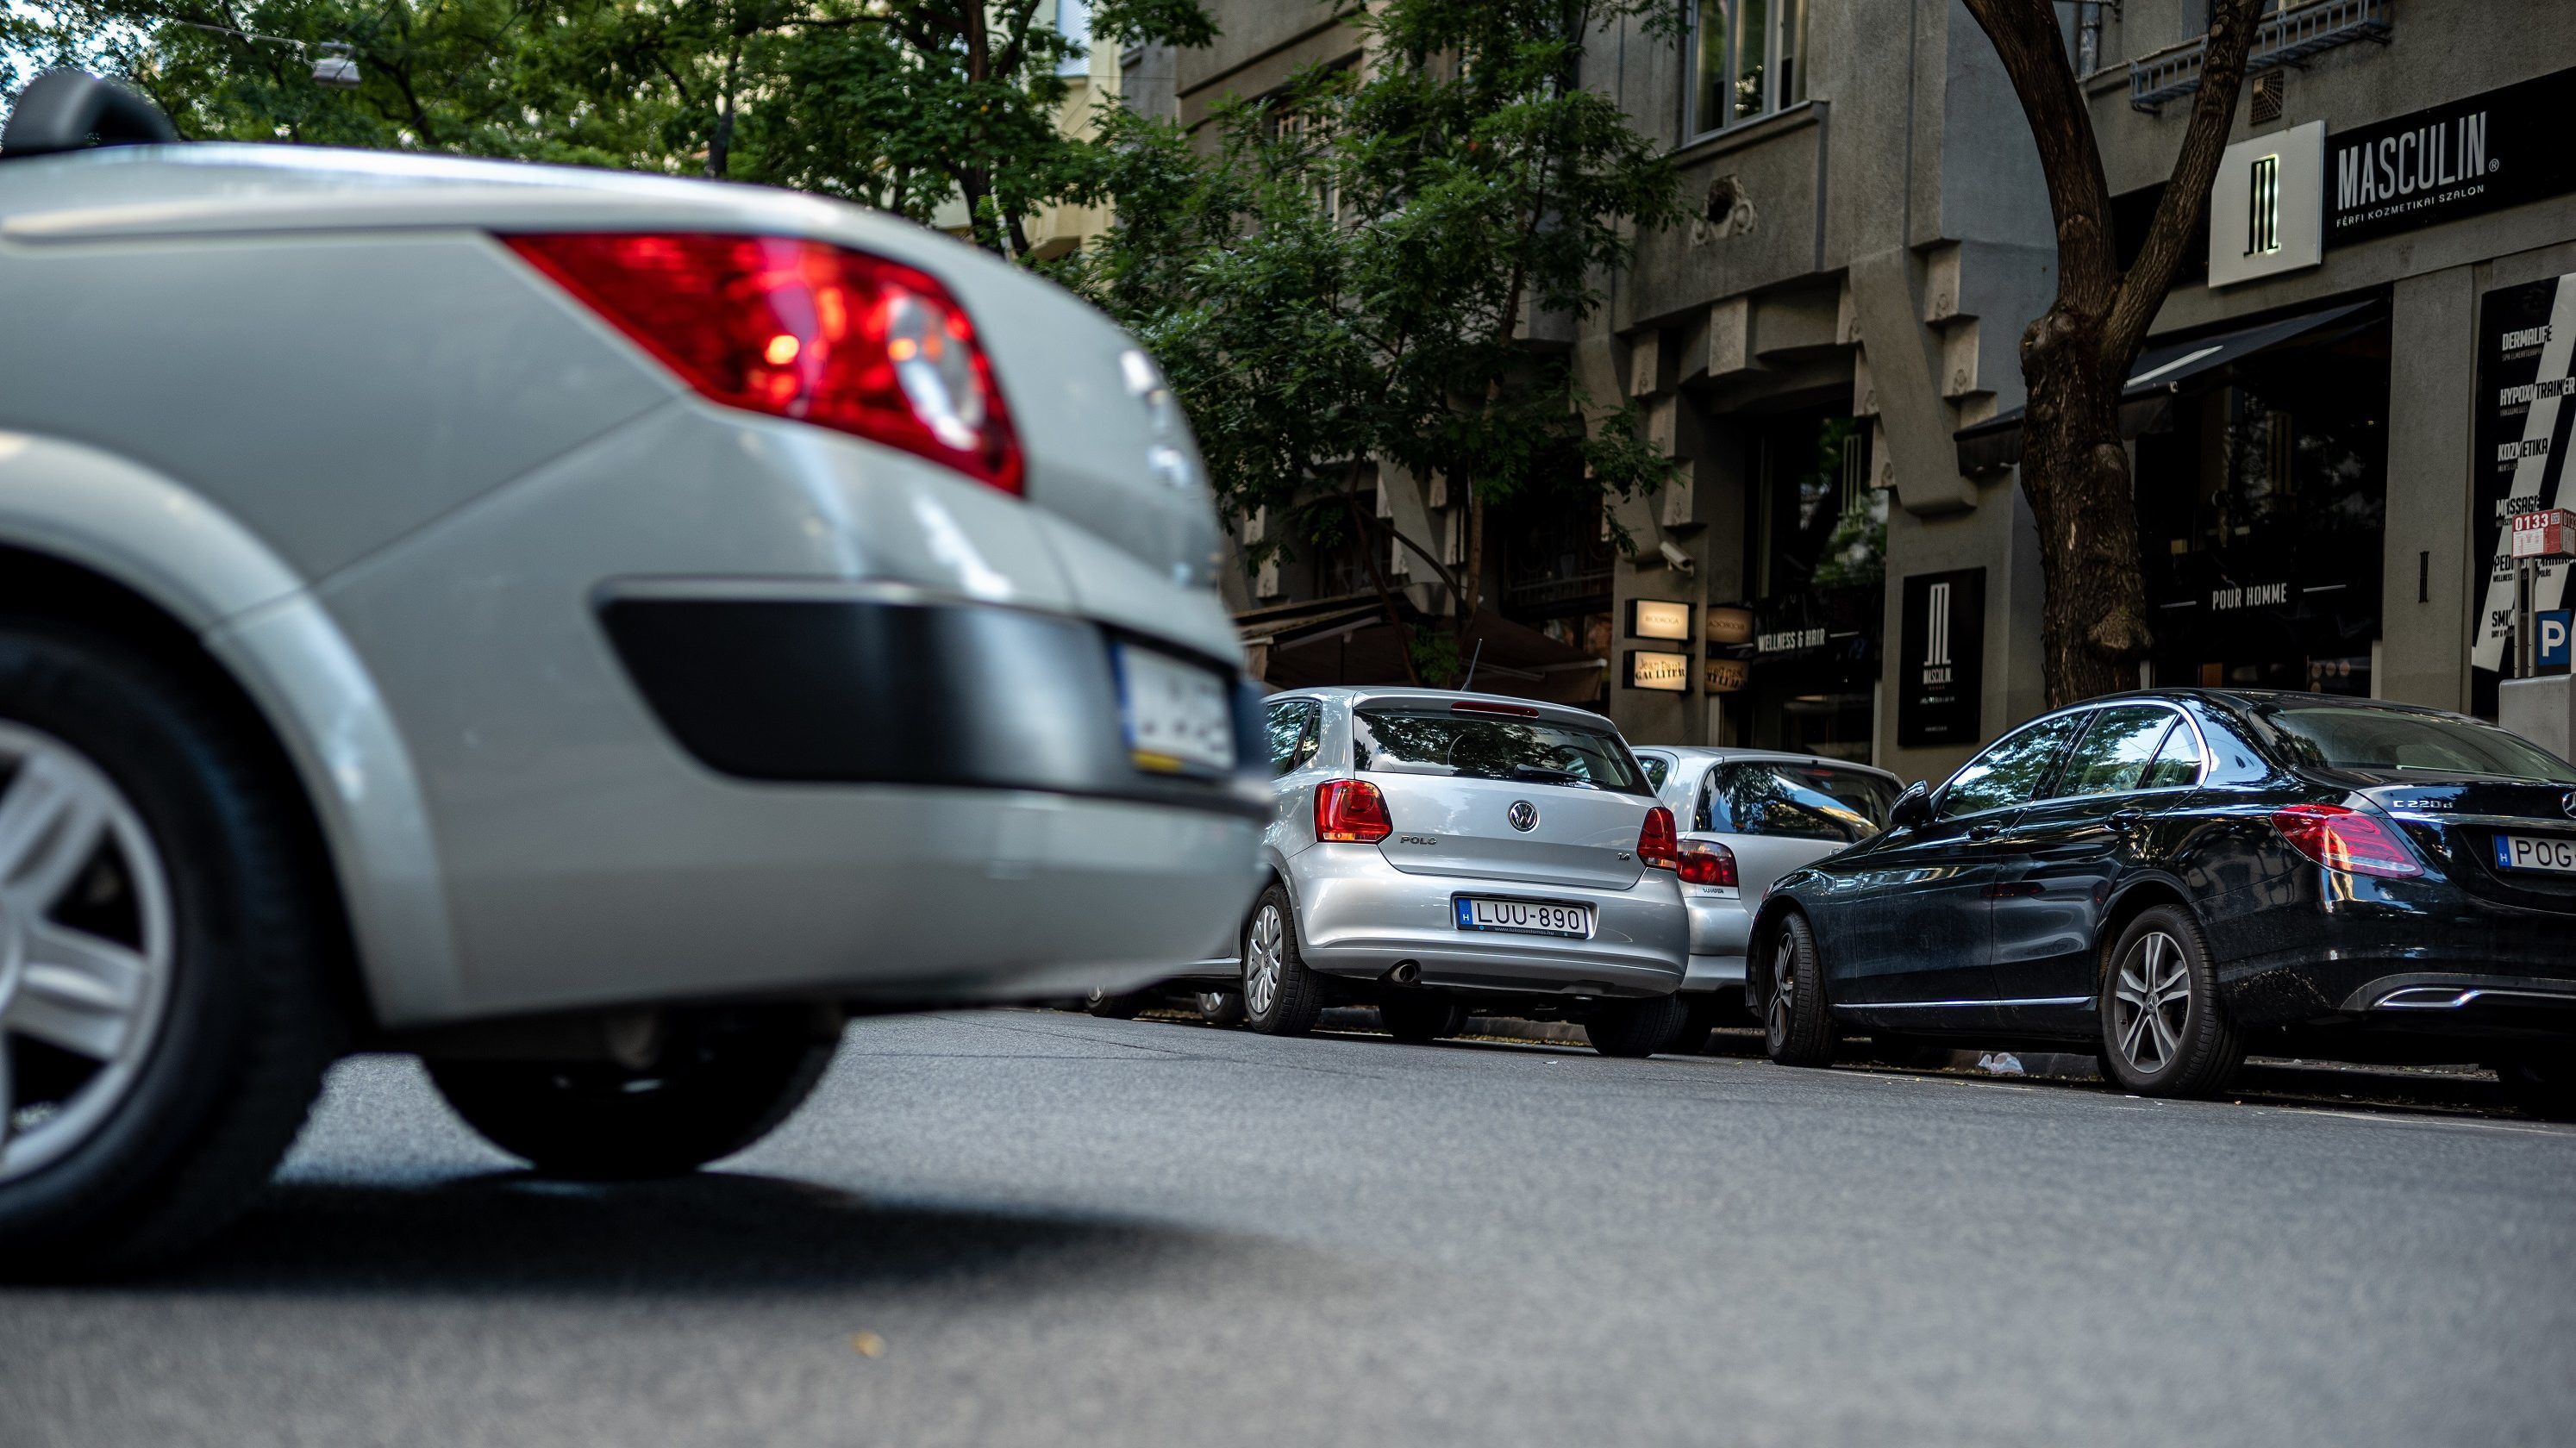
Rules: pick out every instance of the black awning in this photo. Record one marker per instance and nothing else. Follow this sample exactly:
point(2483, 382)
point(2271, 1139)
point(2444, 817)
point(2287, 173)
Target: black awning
point(2164, 370)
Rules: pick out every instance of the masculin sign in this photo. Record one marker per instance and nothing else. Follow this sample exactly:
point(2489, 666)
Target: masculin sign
point(2498, 149)
point(1942, 637)
point(2526, 337)
point(2266, 207)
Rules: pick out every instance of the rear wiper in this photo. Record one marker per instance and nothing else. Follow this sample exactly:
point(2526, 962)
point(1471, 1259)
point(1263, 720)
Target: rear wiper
point(1550, 776)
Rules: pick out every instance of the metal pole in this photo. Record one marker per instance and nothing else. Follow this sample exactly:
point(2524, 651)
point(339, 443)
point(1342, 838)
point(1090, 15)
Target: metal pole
point(2526, 590)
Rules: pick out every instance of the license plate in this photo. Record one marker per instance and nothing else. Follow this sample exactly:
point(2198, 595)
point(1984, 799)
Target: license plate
point(2535, 852)
point(1524, 917)
point(1179, 717)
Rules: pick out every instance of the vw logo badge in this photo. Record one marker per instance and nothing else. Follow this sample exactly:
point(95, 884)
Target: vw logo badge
point(1523, 815)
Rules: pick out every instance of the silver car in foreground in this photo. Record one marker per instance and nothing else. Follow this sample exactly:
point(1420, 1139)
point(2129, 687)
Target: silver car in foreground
point(1435, 853)
point(1749, 816)
point(592, 631)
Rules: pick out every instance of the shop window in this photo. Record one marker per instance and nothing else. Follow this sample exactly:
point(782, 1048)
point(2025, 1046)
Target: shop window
point(1817, 523)
point(1747, 58)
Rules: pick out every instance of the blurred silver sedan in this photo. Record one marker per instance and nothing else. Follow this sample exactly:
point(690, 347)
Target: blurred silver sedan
point(1749, 816)
point(1438, 852)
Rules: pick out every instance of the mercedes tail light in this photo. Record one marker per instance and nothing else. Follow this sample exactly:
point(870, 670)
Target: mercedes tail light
point(802, 330)
point(1705, 862)
point(1352, 812)
point(2347, 840)
point(1657, 843)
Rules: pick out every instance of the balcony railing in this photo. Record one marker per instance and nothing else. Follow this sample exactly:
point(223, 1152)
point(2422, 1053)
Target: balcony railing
point(2285, 39)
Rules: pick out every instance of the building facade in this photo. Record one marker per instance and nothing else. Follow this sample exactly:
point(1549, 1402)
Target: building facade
point(2351, 389)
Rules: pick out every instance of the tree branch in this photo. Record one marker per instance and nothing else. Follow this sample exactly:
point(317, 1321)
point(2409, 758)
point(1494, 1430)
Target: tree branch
point(2232, 24)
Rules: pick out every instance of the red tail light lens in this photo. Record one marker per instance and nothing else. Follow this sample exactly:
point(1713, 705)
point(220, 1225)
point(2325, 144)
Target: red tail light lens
point(1707, 863)
point(2346, 840)
point(1657, 844)
point(1351, 811)
point(801, 330)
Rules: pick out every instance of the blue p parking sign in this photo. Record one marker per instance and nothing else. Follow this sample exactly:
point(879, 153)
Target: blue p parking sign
point(2553, 625)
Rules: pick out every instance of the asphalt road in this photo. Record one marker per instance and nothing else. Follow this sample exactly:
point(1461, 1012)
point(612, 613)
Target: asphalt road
point(1024, 1228)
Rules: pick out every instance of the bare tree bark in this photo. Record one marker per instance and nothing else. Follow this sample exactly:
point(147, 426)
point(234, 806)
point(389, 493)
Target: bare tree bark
point(2075, 358)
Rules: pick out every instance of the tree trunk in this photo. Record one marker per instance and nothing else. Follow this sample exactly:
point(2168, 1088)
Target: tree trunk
point(2076, 474)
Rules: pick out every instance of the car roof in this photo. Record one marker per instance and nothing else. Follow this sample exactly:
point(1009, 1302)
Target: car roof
point(1727, 754)
point(1356, 694)
point(2259, 699)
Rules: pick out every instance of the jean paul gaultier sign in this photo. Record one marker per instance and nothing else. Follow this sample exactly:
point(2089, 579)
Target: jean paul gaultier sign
point(2526, 337)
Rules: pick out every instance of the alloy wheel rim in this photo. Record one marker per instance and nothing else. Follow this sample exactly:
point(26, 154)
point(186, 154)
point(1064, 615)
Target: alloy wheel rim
point(86, 948)
point(1784, 992)
point(1261, 961)
point(2151, 1003)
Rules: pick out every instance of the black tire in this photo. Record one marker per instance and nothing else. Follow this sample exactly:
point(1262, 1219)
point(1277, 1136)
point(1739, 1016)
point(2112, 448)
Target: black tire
point(1420, 1020)
point(1117, 1007)
point(247, 1018)
point(1291, 1000)
point(1699, 1019)
point(2183, 1045)
point(1635, 1028)
point(725, 1080)
point(1798, 1021)
point(1221, 1007)
point(2543, 1089)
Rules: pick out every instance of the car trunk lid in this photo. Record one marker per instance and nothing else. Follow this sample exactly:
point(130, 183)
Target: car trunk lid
point(2460, 820)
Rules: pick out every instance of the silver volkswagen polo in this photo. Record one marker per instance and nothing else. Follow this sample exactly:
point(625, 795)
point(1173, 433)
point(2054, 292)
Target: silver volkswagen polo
point(1438, 852)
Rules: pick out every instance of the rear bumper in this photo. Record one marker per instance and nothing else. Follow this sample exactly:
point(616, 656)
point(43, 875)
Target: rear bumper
point(1720, 927)
point(890, 688)
point(1358, 916)
point(2419, 956)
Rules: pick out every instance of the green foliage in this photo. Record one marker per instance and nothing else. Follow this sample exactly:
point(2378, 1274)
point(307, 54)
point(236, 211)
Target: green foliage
point(901, 104)
point(1339, 274)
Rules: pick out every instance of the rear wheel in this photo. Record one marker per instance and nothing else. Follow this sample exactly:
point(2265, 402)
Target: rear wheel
point(1797, 1023)
point(2546, 1089)
point(723, 1081)
point(1221, 1007)
point(1117, 1007)
point(1419, 1020)
point(1281, 997)
point(2163, 1030)
point(1635, 1029)
point(165, 1015)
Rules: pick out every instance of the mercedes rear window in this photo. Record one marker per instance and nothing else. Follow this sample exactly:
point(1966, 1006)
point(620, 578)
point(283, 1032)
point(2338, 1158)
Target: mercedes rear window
point(1397, 740)
point(1795, 801)
point(2399, 742)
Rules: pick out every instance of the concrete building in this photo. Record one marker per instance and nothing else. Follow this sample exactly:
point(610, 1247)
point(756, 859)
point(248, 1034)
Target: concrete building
point(1829, 350)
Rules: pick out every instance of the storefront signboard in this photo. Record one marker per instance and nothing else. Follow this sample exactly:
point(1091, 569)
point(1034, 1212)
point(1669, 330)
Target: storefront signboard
point(2526, 336)
point(2493, 150)
point(1730, 624)
point(2267, 207)
point(1942, 638)
point(1660, 672)
point(1726, 676)
point(1651, 618)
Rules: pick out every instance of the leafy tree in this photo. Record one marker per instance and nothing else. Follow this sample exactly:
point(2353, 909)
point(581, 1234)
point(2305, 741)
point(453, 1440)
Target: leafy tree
point(2076, 357)
point(900, 104)
point(1347, 277)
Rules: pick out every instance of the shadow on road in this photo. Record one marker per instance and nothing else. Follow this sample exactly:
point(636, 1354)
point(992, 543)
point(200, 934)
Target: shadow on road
point(715, 1232)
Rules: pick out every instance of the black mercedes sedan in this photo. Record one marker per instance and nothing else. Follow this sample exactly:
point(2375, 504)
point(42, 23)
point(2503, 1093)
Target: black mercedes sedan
point(2177, 876)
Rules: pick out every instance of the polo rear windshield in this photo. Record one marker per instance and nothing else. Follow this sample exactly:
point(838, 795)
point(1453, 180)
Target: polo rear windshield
point(1795, 801)
point(1399, 739)
point(2397, 742)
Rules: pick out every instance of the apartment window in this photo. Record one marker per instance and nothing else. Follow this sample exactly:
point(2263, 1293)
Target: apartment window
point(1747, 58)
point(1073, 22)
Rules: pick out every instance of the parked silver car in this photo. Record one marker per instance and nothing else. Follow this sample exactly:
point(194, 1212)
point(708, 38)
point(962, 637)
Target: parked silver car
point(1749, 816)
point(590, 630)
point(1435, 853)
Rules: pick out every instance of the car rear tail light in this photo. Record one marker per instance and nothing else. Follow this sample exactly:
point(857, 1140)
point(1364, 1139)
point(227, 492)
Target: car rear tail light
point(2345, 839)
point(1657, 844)
point(801, 330)
point(1706, 863)
point(1478, 706)
point(1351, 811)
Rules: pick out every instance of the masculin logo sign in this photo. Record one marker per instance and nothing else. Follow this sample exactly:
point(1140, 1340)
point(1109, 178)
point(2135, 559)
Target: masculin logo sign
point(2267, 208)
point(2263, 206)
point(1943, 649)
point(2498, 149)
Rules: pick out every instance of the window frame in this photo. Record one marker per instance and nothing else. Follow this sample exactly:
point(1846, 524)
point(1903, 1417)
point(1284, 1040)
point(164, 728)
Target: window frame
point(1941, 795)
point(1706, 791)
point(2104, 706)
point(2057, 776)
point(1774, 97)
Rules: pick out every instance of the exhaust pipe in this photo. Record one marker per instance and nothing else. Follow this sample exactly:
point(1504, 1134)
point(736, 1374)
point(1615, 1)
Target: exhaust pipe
point(1406, 972)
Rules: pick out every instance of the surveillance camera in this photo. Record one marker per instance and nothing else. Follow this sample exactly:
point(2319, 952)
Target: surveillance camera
point(1676, 559)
